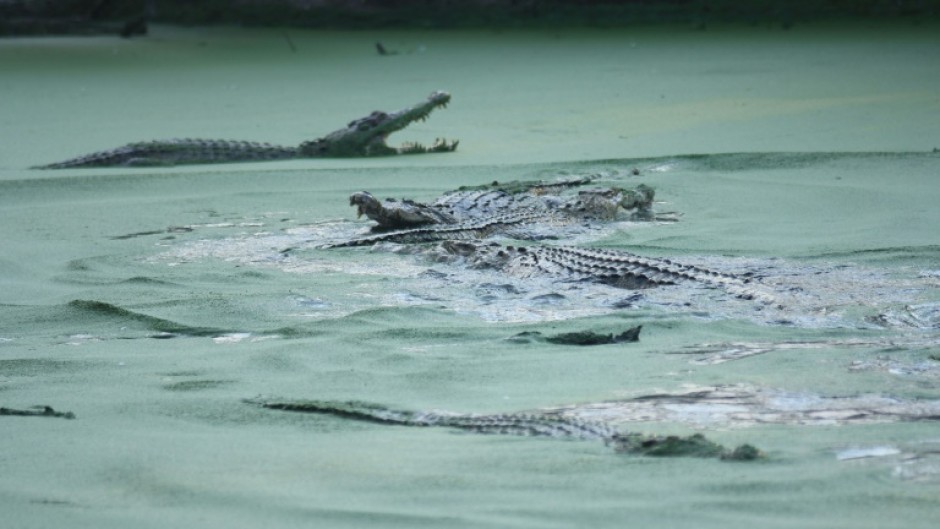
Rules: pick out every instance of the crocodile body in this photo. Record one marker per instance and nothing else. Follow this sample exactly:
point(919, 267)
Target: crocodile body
point(462, 221)
point(515, 200)
point(533, 213)
point(541, 424)
point(362, 137)
point(611, 267)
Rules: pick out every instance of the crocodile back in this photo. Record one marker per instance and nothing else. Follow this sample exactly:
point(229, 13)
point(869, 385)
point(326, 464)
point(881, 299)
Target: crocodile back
point(179, 151)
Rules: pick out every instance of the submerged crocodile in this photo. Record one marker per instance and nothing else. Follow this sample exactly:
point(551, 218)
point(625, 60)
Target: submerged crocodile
point(541, 201)
point(522, 210)
point(545, 424)
point(611, 267)
point(362, 137)
point(738, 404)
point(462, 220)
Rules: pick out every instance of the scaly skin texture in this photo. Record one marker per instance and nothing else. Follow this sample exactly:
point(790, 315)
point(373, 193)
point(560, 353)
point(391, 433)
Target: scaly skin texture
point(543, 424)
point(528, 211)
point(516, 199)
point(611, 267)
point(462, 219)
point(362, 137)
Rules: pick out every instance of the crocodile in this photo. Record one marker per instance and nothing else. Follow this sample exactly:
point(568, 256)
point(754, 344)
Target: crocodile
point(537, 423)
point(616, 268)
point(696, 406)
point(513, 200)
point(361, 137)
point(523, 210)
point(462, 220)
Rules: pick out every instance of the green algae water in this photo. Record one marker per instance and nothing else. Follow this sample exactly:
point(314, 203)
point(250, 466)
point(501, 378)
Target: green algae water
point(152, 303)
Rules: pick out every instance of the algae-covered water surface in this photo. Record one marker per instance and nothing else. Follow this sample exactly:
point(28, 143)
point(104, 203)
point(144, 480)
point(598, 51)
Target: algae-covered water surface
point(153, 309)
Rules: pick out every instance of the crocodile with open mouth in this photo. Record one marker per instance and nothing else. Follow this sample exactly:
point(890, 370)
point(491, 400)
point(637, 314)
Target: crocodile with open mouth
point(462, 220)
point(361, 137)
point(523, 210)
point(544, 200)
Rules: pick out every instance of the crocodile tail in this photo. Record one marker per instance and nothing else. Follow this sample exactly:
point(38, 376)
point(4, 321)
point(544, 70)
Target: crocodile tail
point(178, 151)
point(471, 230)
point(110, 158)
point(527, 424)
point(358, 410)
point(656, 270)
point(612, 267)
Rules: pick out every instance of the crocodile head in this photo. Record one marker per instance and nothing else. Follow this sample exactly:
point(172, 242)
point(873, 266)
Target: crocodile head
point(366, 136)
point(608, 203)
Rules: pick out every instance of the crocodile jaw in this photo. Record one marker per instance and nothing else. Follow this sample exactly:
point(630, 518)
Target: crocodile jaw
point(406, 116)
point(366, 136)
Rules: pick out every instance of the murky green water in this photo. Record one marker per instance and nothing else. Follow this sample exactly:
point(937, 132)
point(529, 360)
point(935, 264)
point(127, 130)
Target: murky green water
point(151, 302)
